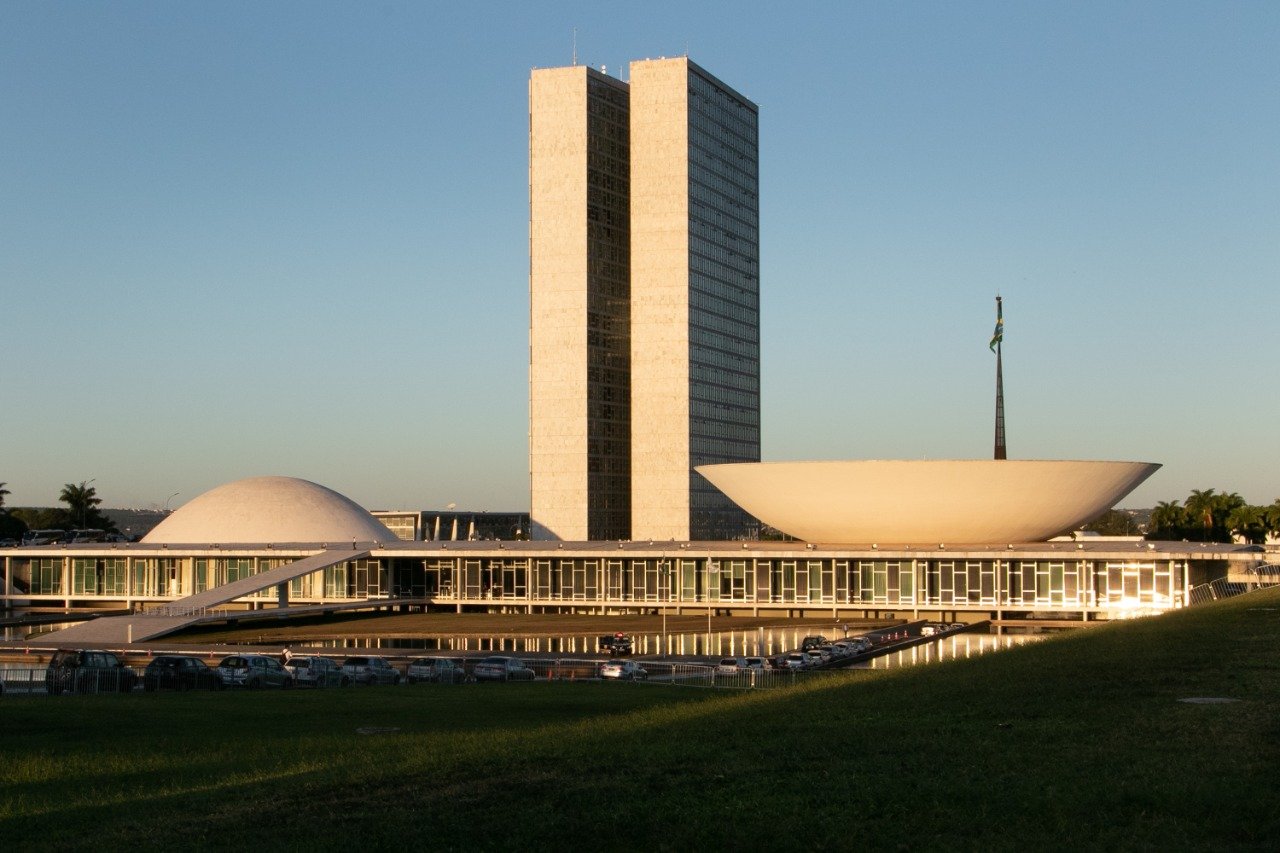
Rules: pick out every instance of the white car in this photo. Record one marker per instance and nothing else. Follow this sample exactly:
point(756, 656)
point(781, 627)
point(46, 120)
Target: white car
point(796, 660)
point(623, 670)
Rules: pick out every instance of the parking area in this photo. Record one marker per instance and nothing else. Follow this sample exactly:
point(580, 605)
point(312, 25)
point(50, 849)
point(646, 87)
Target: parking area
point(95, 671)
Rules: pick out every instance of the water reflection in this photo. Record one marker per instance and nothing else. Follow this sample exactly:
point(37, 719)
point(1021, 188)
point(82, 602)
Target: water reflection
point(762, 642)
point(950, 648)
point(21, 633)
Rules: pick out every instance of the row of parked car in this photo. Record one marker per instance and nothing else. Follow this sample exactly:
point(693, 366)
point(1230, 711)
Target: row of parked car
point(814, 652)
point(100, 671)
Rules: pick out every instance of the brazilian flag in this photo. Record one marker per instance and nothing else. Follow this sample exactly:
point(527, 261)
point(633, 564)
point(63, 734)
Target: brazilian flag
point(998, 335)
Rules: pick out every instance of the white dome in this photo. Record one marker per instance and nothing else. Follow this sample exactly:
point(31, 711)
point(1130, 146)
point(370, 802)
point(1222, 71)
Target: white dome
point(269, 510)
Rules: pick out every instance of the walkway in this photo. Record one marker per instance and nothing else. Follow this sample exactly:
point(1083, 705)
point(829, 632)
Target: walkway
point(114, 630)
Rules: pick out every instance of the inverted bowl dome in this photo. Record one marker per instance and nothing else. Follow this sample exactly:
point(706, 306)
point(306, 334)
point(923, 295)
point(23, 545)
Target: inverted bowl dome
point(927, 501)
point(268, 510)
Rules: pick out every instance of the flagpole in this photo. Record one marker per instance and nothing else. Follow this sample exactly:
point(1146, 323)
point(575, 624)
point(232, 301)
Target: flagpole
point(998, 340)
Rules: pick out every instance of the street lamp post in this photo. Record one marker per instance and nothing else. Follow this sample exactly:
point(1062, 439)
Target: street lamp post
point(166, 501)
point(666, 574)
point(84, 507)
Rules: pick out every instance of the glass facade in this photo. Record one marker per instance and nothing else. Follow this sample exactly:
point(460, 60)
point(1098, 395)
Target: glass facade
point(724, 296)
point(1027, 584)
point(608, 243)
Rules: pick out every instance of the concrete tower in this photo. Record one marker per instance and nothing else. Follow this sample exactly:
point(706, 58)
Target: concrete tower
point(579, 351)
point(695, 297)
point(644, 301)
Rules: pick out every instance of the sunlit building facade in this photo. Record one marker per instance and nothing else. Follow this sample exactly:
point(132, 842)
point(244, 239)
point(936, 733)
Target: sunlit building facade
point(579, 300)
point(695, 297)
point(644, 301)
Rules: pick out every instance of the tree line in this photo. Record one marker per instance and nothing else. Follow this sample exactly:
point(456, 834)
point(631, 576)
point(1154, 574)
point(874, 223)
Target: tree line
point(81, 513)
point(1210, 516)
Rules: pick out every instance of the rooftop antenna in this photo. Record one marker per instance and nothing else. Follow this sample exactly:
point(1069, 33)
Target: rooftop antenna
point(575, 46)
point(997, 339)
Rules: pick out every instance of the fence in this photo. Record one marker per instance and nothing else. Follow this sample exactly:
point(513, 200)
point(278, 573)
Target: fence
point(1257, 577)
point(33, 681)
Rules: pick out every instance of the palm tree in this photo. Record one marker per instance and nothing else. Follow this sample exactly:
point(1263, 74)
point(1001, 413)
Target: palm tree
point(79, 500)
point(1200, 506)
point(1273, 518)
point(1169, 518)
point(1249, 523)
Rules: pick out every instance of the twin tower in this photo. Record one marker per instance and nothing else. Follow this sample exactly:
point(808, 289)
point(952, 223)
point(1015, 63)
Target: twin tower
point(644, 290)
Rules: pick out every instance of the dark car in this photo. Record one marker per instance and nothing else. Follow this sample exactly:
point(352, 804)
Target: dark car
point(88, 671)
point(180, 672)
point(616, 644)
point(813, 642)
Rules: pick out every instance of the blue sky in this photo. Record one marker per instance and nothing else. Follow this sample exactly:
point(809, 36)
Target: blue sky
point(292, 238)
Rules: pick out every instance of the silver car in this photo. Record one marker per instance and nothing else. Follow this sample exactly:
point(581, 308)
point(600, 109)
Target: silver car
point(315, 671)
point(370, 670)
point(623, 670)
point(253, 672)
point(502, 668)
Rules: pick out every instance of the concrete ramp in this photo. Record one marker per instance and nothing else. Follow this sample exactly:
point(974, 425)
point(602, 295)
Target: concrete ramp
point(116, 630)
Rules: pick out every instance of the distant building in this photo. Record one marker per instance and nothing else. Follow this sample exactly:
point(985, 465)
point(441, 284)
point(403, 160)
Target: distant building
point(644, 301)
point(430, 525)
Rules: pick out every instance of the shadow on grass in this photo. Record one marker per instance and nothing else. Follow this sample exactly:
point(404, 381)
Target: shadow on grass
point(1079, 740)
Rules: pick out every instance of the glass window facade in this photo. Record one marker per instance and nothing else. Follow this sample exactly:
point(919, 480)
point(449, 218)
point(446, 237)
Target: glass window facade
point(608, 242)
point(724, 296)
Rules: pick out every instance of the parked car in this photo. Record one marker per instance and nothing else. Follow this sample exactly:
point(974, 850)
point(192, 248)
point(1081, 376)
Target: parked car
point(316, 671)
point(623, 670)
point(370, 670)
point(88, 671)
point(759, 664)
point(616, 644)
point(180, 672)
point(796, 660)
point(438, 670)
point(817, 657)
point(862, 644)
point(254, 672)
point(502, 668)
point(812, 642)
point(731, 666)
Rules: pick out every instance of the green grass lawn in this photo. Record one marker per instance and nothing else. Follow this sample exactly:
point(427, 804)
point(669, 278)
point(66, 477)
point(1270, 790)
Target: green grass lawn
point(1076, 742)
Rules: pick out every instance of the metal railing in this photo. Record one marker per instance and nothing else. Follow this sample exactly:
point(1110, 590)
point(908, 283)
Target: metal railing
point(1257, 577)
point(36, 681)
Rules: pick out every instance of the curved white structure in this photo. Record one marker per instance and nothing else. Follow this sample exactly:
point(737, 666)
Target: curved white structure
point(927, 502)
point(269, 509)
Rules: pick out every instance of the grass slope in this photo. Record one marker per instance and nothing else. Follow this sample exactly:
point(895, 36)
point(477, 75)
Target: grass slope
point(1077, 742)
